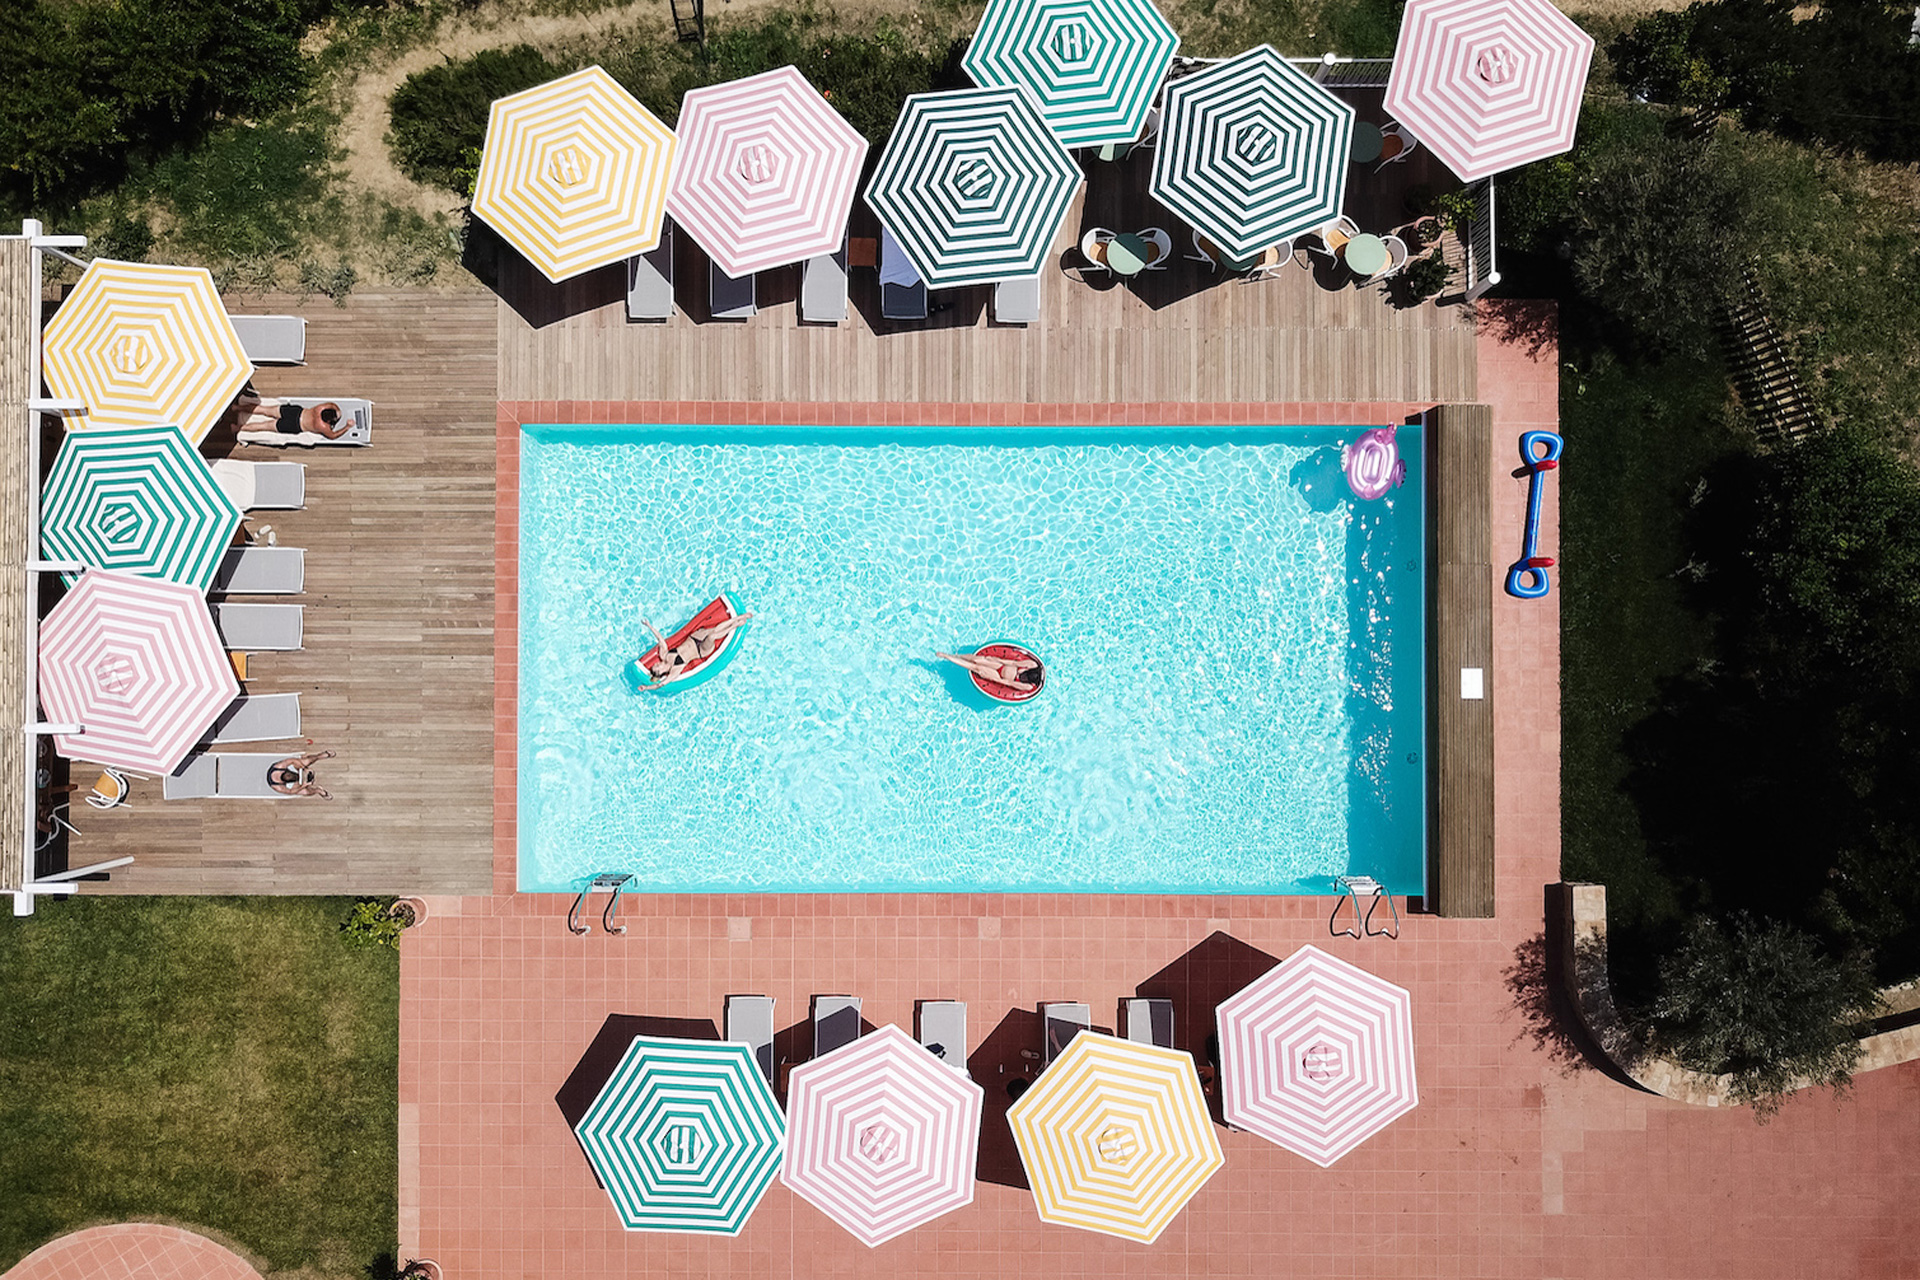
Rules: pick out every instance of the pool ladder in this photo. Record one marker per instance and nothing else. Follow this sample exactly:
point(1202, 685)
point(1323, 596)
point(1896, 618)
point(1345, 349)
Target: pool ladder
point(1351, 889)
point(614, 881)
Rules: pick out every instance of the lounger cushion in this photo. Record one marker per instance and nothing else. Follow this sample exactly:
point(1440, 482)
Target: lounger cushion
point(266, 571)
point(267, 627)
point(260, 718)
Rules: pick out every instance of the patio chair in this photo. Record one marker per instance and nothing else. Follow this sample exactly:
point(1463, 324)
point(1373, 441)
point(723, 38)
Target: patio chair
point(359, 432)
point(1397, 255)
point(942, 1028)
point(903, 294)
point(1334, 236)
point(262, 717)
point(1060, 1022)
point(1149, 1021)
point(836, 1023)
point(261, 571)
point(55, 820)
point(1163, 248)
point(1200, 254)
point(1149, 131)
point(650, 280)
point(1093, 246)
point(110, 790)
point(749, 1021)
point(273, 628)
point(823, 287)
point(262, 486)
point(732, 298)
point(233, 775)
point(272, 339)
point(1017, 301)
point(1396, 144)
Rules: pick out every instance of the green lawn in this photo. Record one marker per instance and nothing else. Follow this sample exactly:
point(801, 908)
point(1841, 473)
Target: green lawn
point(221, 1063)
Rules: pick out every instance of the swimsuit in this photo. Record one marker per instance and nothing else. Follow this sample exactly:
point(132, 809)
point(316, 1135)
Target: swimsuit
point(280, 776)
point(289, 424)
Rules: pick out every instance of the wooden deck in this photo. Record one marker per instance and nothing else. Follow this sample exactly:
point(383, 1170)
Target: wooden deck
point(19, 381)
point(397, 672)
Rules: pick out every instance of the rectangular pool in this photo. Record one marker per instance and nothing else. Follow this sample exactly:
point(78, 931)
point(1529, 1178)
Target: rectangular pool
point(1234, 695)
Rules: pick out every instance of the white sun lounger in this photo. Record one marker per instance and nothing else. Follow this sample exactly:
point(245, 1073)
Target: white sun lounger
point(1060, 1022)
point(359, 433)
point(262, 486)
point(232, 775)
point(836, 1023)
point(903, 293)
point(823, 287)
point(650, 280)
point(732, 297)
point(1017, 301)
point(1150, 1022)
point(943, 1030)
point(262, 717)
point(272, 339)
point(260, 627)
point(261, 571)
point(750, 1022)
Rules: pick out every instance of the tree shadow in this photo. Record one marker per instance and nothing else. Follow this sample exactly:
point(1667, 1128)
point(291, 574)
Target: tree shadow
point(1537, 985)
point(1215, 969)
point(1532, 324)
point(596, 1065)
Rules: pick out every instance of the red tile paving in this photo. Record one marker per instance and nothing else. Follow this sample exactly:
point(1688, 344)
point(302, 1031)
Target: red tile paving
point(132, 1251)
point(1512, 1165)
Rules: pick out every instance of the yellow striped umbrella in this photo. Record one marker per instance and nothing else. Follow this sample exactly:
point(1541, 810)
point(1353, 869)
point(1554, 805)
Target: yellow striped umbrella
point(574, 173)
point(144, 345)
point(1115, 1137)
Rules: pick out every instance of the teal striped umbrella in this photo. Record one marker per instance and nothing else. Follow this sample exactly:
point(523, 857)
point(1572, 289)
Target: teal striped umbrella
point(973, 185)
point(1252, 153)
point(685, 1136)
point(138, 500)
point(1093, 64)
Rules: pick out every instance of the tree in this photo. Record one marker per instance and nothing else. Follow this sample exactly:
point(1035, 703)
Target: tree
point(1764, 1004)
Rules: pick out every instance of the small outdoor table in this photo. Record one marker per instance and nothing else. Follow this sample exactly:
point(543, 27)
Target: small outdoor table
point(1366, 255)
point(1366, 142)
point(1127, 254)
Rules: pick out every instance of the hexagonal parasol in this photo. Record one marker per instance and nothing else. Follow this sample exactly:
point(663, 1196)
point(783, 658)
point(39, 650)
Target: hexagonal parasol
point(1252, 153)
point(140, 501)
point(143, 345)
point(1317, 1056)
point(884, 1135)
point(1094, 65)
point(767, 171)
point(973, 185)
point(685, 1136)
point(574, 173)
point(1489, 85)
point(137, 664)
point(1115, 1137)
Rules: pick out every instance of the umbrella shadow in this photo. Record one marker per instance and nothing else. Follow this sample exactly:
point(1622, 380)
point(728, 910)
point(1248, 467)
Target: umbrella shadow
point(793, 1045)
point(1004, 1065)
point(1215, 969)
point(536, 299)
point(596, 1065)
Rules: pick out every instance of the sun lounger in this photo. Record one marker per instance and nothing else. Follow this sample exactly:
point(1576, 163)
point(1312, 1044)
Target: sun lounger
point(272, 339)
point(823, 287)
point(650, 281)
point(903, 294)
point(750, 1022)
point(943, 1030)
point(262, 486)
point(1017, 301)
point(1060, 1022)
point(730, 298)
point(1150, 1022)
point(261, 718)
point(359, 433)
point(836, 1023)
point(261, 571)
point(229, 776)
point(262, 627)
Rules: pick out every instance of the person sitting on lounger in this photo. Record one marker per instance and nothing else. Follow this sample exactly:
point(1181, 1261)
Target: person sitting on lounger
point(323, 419)
point(662, 663)
point(1000, 670)
point(294, 775)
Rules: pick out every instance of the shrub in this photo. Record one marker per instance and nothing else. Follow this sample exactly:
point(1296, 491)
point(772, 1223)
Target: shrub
point(440, 113)
point(1427, 276)
point(371, 923)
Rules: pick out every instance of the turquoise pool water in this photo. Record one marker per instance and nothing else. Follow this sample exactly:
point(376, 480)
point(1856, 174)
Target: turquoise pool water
point(1233, 646)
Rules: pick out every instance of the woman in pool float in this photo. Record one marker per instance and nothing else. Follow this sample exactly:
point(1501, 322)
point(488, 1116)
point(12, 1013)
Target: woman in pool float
point(701, 644)
point(999, 670)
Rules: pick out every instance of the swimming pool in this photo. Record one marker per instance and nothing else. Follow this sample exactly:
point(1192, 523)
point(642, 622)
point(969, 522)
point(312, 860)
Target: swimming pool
point(1234, 697)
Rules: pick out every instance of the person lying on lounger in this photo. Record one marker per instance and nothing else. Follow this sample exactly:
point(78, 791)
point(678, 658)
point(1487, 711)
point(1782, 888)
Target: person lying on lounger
point(323, 419)
point(294, 775)
point(663, 662)
point(1000, 670)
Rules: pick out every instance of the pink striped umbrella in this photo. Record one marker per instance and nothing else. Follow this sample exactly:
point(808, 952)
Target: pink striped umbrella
point(881, 1135)
point(1489, 85)
point(137, 664)
point(1317, 1056)
point(767, 171)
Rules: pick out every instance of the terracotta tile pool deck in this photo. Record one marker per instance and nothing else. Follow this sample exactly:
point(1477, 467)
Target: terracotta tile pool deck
point(1514, 1164)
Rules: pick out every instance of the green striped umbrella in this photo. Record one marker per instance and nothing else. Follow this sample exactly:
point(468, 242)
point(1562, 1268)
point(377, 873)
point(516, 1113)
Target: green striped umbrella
point(139, 500)
point(973, 185)
point(1093, 64)
point(685, 1136)
point(1252, 153)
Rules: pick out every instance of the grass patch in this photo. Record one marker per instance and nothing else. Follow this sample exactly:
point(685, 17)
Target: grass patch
point(1297, 28)
point(226, 1063)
